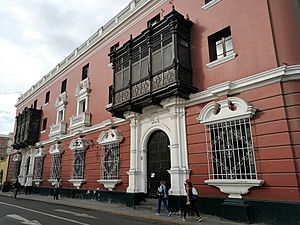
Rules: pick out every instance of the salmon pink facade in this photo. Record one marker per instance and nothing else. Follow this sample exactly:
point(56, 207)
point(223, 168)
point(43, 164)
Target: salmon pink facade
point(206, 89)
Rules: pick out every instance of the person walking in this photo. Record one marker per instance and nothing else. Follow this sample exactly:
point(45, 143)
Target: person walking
point(56, 189)
point(190, 201)
point(162, 197)
point(16, 187)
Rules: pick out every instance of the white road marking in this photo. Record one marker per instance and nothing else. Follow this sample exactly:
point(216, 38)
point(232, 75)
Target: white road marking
point(23, 220)
point(42, 213)
point(75, 213)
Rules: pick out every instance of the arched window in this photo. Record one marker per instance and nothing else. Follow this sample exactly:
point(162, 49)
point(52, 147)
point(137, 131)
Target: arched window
point(110, 142)
point(78, 146)
point(229, 144)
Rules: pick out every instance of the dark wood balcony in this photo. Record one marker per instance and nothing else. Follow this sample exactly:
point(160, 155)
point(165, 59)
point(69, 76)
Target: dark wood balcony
point(27, 128)
point(152, 66)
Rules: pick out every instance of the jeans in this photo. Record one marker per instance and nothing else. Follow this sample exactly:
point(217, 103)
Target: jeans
point(165, 201)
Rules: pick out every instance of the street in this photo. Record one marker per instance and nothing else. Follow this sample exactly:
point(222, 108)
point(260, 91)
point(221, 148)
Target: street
point(24, 211)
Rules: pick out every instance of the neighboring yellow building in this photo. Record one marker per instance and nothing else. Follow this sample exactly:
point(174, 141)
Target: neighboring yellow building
point(3, 169)
point(5, 147)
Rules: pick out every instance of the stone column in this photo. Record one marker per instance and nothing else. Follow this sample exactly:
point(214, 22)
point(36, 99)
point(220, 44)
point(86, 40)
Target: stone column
point(179, 165)
point(133, 172)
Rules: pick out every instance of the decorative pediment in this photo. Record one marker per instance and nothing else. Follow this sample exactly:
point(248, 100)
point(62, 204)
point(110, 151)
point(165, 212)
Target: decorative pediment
point(56, 149)
point(229, 108)
point(61, 100)
point(39, 152)
point(110, 136)
point(79, 144)
point(83, 88)
point(17, 157)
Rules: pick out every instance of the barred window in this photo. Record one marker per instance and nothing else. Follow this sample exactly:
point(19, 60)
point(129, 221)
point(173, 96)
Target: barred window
point(78, 164)
point(110, 161)
point(230, 153)
point(230, 150)
point(55, 166)
point(38, 168)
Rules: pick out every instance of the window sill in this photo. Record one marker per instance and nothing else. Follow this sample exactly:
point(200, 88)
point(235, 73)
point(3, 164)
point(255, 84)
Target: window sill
point(53, 181)
point(221, 61)
point(109, 184)
point(77, 182)
point(235, 188)
point(210, 4)
point(43, 131)
point(37, 182)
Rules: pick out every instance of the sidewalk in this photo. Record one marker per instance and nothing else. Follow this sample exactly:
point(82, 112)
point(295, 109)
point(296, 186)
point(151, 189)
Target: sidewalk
point(142, 213)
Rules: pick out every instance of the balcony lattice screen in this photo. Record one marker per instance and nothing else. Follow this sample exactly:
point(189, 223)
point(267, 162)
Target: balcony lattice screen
point(110, 161)
point(78, 164)
point(230, 150)
point(55, 166)
point(38, 168)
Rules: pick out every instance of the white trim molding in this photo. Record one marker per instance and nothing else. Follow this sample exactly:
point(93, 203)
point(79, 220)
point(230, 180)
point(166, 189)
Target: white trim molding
point(221, 60)
point(56, 149)
point(111, 140)
point(109, 184)
point(77, 182)
point(235, 188)
point(110, 136)
point(278, 74)
point(210, 4)
point(216, 112)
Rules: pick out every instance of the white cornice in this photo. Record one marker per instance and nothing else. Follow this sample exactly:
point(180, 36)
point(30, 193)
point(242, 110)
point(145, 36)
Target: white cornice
point(132, 8)
point(279, 74)
point(101, 126)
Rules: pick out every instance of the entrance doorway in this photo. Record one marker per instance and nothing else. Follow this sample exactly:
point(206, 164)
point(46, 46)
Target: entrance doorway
point(158, 162)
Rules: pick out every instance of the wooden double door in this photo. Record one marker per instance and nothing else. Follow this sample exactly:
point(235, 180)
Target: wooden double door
point(158, 161)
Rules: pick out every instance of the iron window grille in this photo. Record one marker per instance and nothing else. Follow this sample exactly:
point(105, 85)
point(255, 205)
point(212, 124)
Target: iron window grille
point(231, 153)
point(78, 164)
point(55, 166)
point(38, 168)
point(110, 161)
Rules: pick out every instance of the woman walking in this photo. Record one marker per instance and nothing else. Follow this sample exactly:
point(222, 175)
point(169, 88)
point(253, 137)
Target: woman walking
point(190, 202)
point(162, 197)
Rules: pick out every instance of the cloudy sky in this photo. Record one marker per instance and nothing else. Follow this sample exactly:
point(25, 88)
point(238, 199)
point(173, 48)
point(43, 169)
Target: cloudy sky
point(35, 35)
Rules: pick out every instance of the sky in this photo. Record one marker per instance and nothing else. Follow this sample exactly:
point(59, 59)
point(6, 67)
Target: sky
point(35, 35)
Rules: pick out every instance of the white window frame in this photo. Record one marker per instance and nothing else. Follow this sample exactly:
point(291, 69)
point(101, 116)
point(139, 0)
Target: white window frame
point(38, 161)
point(60, 105)
point(82, 94)
point(218, 115)
point(55, 172)
point(56, 152)
point(210, 4)
point(60, 115)
point(78, 146)
point(38, 168)
point(82, 104)
point(110, 141)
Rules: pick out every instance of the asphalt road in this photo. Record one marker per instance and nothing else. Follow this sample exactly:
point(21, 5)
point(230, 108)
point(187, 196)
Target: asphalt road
point(24, 211)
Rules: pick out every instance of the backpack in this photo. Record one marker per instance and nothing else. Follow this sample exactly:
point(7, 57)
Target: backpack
point(194, 193)
point(160, 191)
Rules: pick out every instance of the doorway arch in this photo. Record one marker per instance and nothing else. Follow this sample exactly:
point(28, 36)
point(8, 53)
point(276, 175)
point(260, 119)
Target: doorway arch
point(158, 161)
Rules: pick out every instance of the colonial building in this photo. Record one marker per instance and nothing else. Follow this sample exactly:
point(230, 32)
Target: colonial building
point(5, 148)
point(206, 89)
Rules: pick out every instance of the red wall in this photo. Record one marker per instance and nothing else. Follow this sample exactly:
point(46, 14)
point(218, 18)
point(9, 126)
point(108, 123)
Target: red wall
point(276, 142)
point(92, 162)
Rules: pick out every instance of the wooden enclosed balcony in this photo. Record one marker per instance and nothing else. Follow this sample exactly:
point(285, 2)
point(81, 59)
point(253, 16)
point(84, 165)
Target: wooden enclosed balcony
point(152, 66)
point(27, 128)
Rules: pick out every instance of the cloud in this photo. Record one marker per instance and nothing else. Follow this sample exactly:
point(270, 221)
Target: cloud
point(36, 35)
